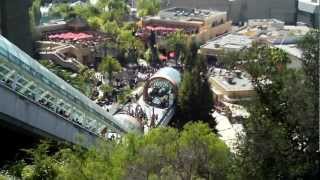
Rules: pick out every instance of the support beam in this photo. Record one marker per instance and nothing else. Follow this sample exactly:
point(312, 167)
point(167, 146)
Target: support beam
point(24, 88)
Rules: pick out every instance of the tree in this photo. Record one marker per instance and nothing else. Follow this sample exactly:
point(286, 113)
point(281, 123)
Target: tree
point(111, 28)
point(177, 42)
point(83, 81)
point(34, 16)
point(62, 10)
point(148, 7)
point(86, 11)
point(148, 55)
point(195, 99)
point(164, 153)
point(280, 140)
point(113, 10)
point(106, 89)
point(129, 45)
point(229, 60)
point(34, 12)
point(311, 55)
point(109, 65)
point(190, 58)
point(43, 166)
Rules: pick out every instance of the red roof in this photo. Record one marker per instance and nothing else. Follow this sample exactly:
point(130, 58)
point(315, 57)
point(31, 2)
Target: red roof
point(71, 36)
point(160, 28)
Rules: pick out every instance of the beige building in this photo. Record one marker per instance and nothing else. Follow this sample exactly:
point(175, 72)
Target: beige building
point(203, 24)
point(231, 86)
point(71, 44)
point(269, 31)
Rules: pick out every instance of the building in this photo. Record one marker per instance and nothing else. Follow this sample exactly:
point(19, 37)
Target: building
point(269, 31)
point(15, 26)
point(227, 43)
point(309, 12)
point(242, 10)
point(71, 44)
point(231, 86)
point(203, 24)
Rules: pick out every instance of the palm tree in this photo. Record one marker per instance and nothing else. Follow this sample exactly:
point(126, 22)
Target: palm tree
point(109, 65)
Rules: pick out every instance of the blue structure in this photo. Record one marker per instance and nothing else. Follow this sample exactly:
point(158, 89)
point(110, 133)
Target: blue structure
point(27, 77)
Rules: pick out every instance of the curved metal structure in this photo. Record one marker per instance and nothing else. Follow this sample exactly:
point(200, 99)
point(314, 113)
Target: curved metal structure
point(162, 88)
point(26, 76)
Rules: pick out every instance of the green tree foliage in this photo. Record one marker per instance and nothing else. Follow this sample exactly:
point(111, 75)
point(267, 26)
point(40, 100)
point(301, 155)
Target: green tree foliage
point(280, 139)
point(104, 10)
point(229, 60)
point(34, 12)
point(113, 10)
point(109, 65)
point(111, 28)
point(148, 55)
point(106, 89)
point(191, 56)
point(164, 153)
point(195, 99)
point(148, 7)
point(84, 81)
point(311, 56)
point(177, 42)
point(124, 95)
point(62, 10)
point(129, 45)
point(34, 17)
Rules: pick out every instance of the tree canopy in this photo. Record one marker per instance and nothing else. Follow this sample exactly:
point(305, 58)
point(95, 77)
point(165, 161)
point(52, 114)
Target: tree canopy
point(164, 153)
point(281, 138)
point(148, 7)
point(195, 98)
point(109, 65)
point(177, 42)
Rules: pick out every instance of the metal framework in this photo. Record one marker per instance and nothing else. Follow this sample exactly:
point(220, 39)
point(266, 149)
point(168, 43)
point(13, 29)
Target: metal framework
point(27, 77)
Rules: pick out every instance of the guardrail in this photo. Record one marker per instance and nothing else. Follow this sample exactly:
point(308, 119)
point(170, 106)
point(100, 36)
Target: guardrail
point(3, 85)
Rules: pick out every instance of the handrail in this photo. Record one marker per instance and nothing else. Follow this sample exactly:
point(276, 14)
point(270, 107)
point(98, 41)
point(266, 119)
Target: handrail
point(46, 108)
point(12, 54)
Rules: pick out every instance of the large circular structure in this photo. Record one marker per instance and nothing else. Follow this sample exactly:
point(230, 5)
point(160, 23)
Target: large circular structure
point(161, 89)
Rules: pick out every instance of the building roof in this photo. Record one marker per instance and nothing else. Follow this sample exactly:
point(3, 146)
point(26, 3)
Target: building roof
point(229, 42)
point(273, 31)
point(270, 31)
point(190, 15)
point(242, 83)
point(309, 6)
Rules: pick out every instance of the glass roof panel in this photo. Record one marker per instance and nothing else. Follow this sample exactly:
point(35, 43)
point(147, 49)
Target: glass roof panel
point(18, 57)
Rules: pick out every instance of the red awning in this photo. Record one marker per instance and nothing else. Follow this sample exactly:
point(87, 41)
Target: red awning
point(71, 36)
point(172, 54)
point(160, 28)
point(163, 58)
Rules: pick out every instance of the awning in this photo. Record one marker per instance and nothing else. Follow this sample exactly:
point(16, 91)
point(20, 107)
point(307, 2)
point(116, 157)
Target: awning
point(163, 58)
